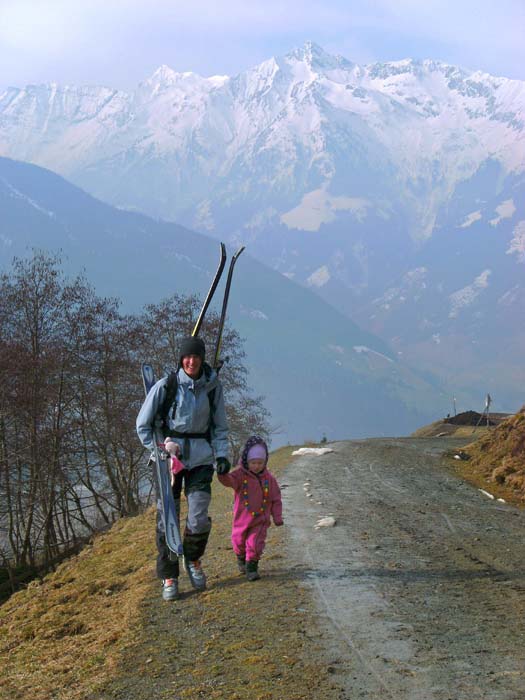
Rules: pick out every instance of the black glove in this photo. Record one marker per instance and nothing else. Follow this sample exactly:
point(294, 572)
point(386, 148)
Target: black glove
point(223, 465)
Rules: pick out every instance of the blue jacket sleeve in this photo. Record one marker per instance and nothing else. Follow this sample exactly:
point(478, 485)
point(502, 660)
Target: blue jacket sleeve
point(219, 427)
point(146, 417)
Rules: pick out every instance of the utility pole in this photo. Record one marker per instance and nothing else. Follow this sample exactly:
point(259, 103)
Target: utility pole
point(486, 411)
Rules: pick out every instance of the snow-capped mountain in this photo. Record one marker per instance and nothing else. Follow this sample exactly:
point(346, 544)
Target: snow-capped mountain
point(302, 134)
point(357, 181)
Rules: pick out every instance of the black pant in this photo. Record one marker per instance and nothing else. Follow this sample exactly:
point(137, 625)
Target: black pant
point(197, 489)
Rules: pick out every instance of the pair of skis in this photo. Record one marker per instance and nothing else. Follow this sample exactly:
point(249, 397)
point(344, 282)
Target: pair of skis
point(217, 363)
point(170, 516)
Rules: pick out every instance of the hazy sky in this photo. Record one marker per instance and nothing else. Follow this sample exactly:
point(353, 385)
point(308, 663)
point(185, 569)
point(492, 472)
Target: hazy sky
point(121, 42)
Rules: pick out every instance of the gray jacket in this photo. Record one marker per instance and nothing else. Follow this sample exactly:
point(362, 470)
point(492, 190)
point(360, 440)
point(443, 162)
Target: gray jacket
point(191, 415)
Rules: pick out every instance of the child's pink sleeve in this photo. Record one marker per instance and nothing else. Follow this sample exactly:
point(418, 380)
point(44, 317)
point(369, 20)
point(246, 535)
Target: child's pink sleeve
point(277, 504)
point(233, 479)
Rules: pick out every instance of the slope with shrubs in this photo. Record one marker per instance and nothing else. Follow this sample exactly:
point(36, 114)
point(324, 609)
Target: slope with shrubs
point(498, 457)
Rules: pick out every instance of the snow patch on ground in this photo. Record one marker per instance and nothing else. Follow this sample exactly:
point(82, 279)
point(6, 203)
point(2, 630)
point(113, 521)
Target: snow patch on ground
point(363, 348)
point(319, 278)
point(261, 219)
point(417, 276)
point(254, 313)
point(327, 521)
point(510, 297)
point(413, 284)
point(517, 244)
point(13, 192)
point(181, 257)
point(337, 348)
point(467, 295)
point(319, 207)
point(203, 217)
point(312, 451)
point(470, 219)
point(504, 211)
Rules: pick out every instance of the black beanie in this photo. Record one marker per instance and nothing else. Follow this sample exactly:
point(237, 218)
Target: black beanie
point(192, 346)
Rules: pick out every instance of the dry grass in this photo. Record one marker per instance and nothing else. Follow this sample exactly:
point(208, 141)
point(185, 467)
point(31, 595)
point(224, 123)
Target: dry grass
point(63, 636)
point(498, 459)
point(441, 429)
point(497, 454)
point(462, 426)
point(97, 627)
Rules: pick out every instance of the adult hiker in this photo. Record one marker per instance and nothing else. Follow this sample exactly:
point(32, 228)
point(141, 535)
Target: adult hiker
point(196, 422)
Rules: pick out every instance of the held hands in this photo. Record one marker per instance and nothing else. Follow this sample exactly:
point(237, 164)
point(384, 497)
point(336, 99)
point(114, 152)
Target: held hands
point(223, 465)
point(171, 447)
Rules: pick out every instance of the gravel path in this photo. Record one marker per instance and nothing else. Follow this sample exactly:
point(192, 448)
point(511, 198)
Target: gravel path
point(421, 584)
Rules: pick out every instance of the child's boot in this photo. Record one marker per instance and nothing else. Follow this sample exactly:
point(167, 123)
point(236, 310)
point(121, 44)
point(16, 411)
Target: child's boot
point(251, 571)
point(241, 563)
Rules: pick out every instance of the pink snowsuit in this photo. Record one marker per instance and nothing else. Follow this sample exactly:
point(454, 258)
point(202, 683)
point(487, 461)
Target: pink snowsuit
point(249, 530)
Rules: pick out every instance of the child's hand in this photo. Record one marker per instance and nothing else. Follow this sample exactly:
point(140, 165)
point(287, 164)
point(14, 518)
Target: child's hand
point(171, 447)
point(278, 523)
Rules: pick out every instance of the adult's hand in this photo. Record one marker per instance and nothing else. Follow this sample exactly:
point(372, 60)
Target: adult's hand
point(223, 465)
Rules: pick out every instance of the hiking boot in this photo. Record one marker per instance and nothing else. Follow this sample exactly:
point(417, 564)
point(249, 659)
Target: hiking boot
point(241, 564)
point(195, 573)
point(251, 571)
point(170, 589)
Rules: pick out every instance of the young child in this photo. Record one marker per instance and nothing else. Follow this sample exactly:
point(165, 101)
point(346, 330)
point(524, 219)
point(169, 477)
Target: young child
point(257, 496)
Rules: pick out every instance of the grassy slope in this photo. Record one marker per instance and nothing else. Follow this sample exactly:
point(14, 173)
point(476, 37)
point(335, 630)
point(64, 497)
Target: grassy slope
point(497, 459)
point(66, 634)
point(97, 628)
point(440, 429)
point(462, 429)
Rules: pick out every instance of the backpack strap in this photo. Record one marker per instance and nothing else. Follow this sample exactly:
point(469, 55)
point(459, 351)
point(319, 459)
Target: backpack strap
point(211, 394)
point(169, 399)
point(171, 396)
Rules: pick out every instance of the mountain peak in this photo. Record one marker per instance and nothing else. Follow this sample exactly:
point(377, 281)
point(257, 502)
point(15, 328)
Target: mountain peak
point(165, 76)
point(317, 58)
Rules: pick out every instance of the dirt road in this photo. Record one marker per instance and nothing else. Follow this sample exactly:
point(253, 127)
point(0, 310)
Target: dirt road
point(421, 583)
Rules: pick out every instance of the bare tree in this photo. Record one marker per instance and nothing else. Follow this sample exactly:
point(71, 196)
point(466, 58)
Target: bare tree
point(35, 304)
point(70, 461)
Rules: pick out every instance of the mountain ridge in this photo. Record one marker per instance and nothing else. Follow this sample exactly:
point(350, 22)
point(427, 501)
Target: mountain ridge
point(320, 372)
